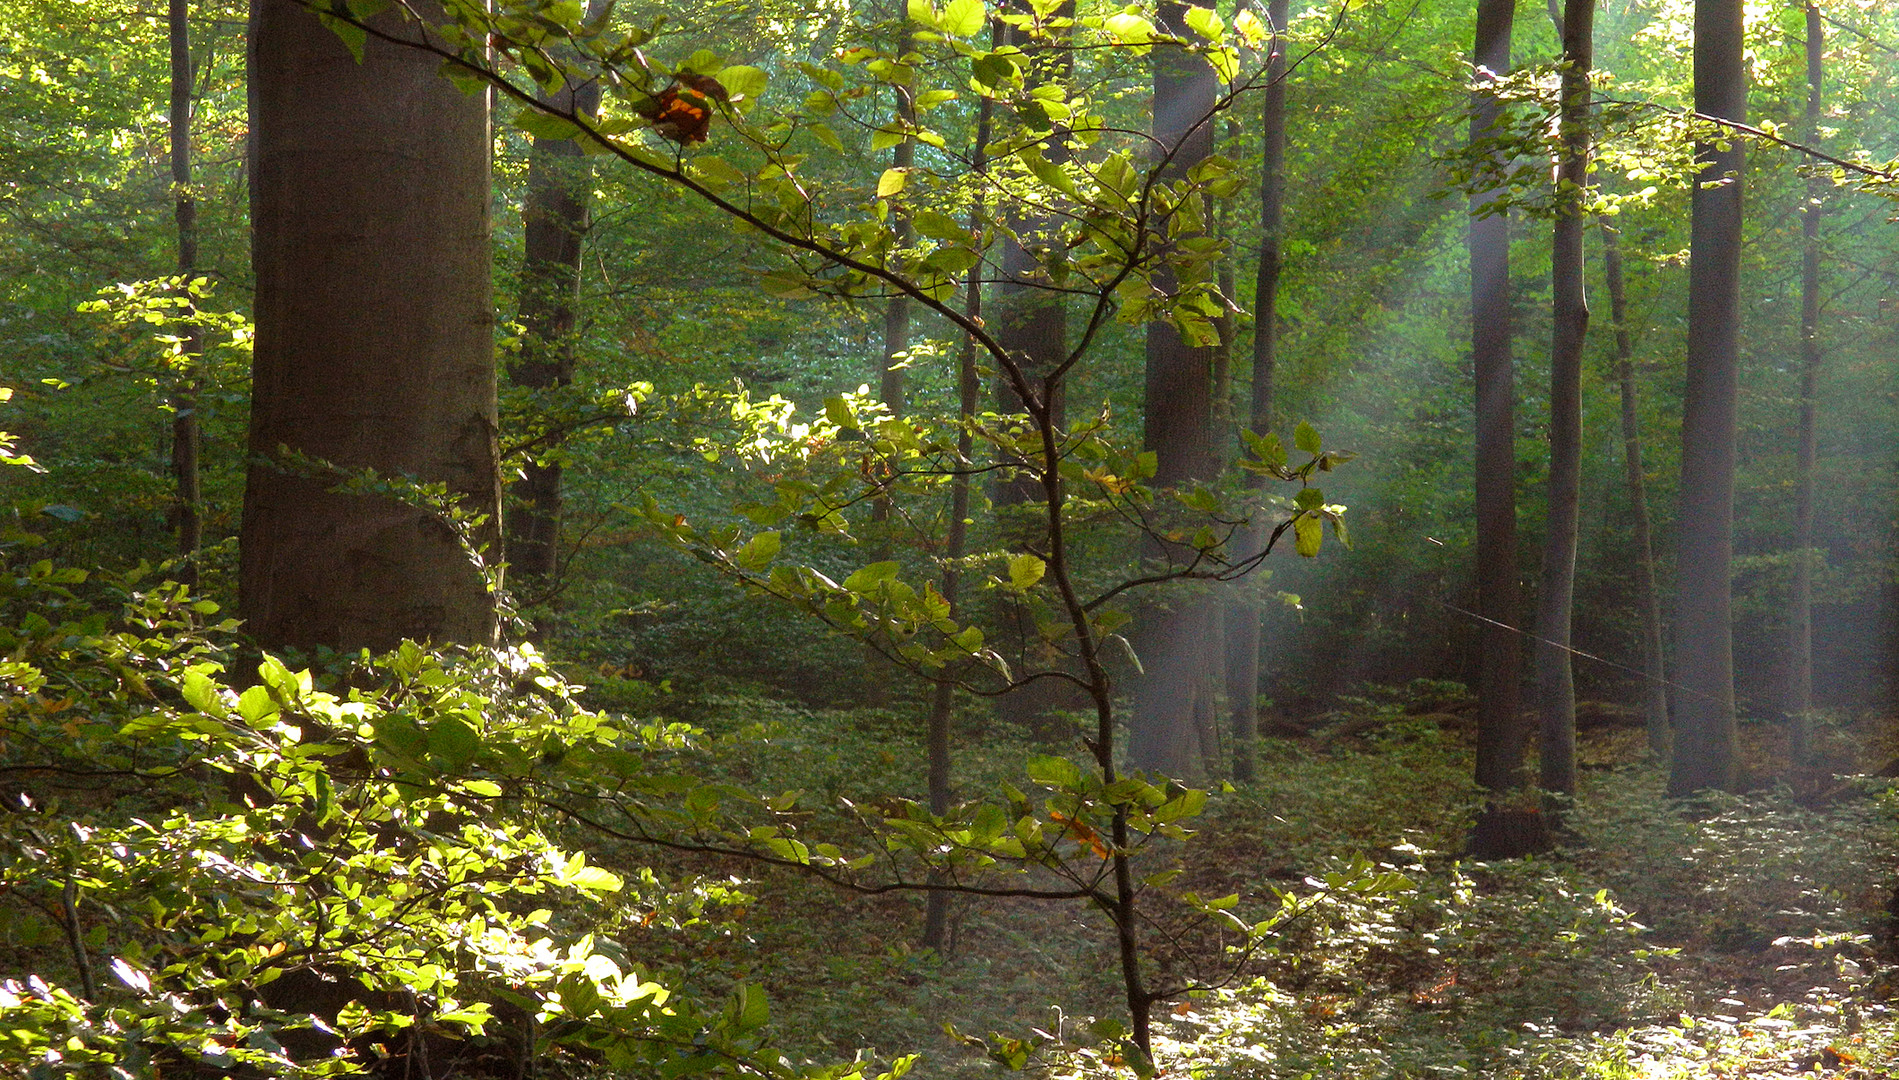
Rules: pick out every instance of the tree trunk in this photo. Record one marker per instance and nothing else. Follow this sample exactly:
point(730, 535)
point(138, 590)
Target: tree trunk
point(1555, 685)
point(878, 672)
point(943, 698)
point(1031, 320)
point(1174, 634)
point(1243, 617)
point(554, 226)
point(184, 400)
point(1501, 734)
point(1799, 691)
point(1704, 650)
point(375, 340)
point(1654, 668)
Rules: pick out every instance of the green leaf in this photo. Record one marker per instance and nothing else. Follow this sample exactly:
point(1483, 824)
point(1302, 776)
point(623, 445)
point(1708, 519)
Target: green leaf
point(256, 707)
point(486, 788)
point(937, 225)
point(454, 741)
point(703, 62)
point(1131, 29)
point(202, 694)
point(594, 879)
point(993, 70)
point(890, 183)
point(1307, 534)
point(964, 18)
point(544, 125)
point(1025, 571)
point(743, 82)
point(838, 411)
point(824, 134)
point(1047, 171)
point(759, 551)
point(1206, 22)
point(750, 1009)
point(715, 172)
point(1306, 438)
point(923, 13)
point(866, 579)
point(1052, 771)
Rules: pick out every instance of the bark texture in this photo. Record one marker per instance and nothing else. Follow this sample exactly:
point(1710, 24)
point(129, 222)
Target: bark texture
point(1555, 683)
point(375, 339)
point(1243, 616)
point(1501, 733)
point(1176, 637)
point(189, 513)
point(1031, 320)
point(1798, 702)
point(1704, 649)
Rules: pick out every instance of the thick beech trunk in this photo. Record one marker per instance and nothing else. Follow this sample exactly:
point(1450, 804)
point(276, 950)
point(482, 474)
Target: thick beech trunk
point(1243, 617)
point(1555, 685)
point(554, 227)
point(1503, 829)
point(375, 339)
point(1175, 636)
point(1798, 701)
point(1654, 667)
point(189, 514)
point(1704, 651)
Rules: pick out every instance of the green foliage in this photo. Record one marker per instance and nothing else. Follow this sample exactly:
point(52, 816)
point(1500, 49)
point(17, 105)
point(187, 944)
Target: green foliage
point(205, 841)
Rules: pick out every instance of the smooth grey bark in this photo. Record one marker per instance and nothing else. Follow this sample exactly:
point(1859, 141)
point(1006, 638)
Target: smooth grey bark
point(1173, 635)
point(1243, 617)
point(375, 339)
point(1798, 700)
point(1654, 666)
point(1555, 683)
point(554, 227)
point(185, 437)
point(1502, 830)
point(1704, 651)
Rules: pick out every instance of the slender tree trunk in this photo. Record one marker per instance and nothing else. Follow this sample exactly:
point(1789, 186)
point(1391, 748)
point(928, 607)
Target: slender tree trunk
point(1243, 617)
point(554, 226)
point(1163, 734)
point(375, 339)
point(1704, 650)
point(1503, 830)
point(897, 309)
point(878, 671)
point(1654, 668)
point(943, 698)
point(1799, 691)
point(1556, 688)
point(184, 424)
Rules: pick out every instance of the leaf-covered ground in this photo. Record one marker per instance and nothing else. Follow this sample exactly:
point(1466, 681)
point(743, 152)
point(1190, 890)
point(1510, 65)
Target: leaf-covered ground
point(1752, 938)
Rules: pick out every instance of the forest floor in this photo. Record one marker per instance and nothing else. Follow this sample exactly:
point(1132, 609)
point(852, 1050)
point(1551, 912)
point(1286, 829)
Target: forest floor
point(1754, 939)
